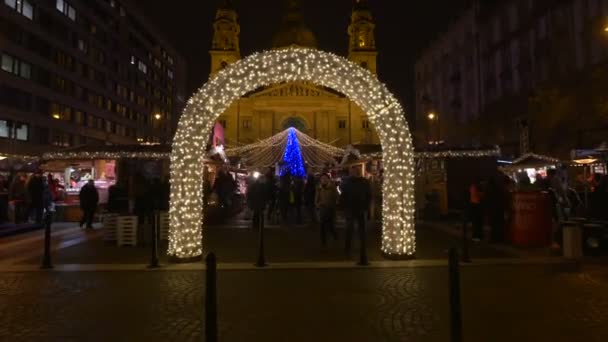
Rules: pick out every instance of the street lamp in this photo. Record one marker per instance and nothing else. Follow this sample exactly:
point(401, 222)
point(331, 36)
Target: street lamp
point(157, 116)
point(432, 116)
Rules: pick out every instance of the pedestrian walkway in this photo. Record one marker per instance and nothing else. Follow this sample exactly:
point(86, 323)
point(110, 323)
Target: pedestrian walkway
point(292, 244)
point(500, 304)
point(30, 246)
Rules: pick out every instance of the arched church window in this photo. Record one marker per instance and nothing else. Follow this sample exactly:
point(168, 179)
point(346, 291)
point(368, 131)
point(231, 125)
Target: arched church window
point(364, 65)
point(224, 64)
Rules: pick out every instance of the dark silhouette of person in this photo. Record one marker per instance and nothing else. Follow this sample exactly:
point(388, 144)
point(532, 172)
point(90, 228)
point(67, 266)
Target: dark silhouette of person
point(256, 200)
point(356, 198)
point(298, 192)
point(310, 190)
point(89, 198)
point(326, 200)
point(271, 192)
point(35, 189)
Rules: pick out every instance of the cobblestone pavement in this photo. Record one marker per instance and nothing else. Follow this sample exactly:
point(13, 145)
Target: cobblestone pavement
point(500, 303)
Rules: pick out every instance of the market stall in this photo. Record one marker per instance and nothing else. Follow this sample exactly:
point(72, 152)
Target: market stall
point(72, 168)
point(534, 166)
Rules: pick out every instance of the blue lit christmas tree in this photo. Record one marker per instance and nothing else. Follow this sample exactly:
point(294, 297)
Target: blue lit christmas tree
point(293, 164)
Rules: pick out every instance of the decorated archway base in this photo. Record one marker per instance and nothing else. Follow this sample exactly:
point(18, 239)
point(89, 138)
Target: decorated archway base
point(288, 65)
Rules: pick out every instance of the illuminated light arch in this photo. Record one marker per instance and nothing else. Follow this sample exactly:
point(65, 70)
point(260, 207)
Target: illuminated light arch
point(289, 65)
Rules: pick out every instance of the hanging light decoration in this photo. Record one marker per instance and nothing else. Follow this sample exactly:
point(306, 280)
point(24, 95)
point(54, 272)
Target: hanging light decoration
point(291, 65)
point(268, 152)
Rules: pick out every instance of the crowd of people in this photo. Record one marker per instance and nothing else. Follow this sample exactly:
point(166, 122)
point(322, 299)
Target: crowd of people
point(489, 200)
point(29, 196)
point(285, 199)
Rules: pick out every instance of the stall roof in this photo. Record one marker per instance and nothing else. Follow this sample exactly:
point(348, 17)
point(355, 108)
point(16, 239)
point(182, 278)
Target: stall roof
point(439, 152)
point(111, 152)
point(532, 160)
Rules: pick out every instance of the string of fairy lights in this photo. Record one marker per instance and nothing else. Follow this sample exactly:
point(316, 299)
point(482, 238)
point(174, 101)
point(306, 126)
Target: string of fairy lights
point(292, 65)
point(268, 152)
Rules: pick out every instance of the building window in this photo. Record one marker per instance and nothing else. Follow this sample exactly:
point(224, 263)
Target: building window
point(82, 46)
point(364, 65)
point(247, 123)
point(170, 60)
point(61, 139)
point(23, 7)
point(142, 67)
point(21, 132)
point(14, 130)
point(170, 74)
point(61, 112)
point(16, 67)
point(223, 123)
point(65, 8)
point(365, 124)
point(341, 124)
point(79, 117)
point(4, 130)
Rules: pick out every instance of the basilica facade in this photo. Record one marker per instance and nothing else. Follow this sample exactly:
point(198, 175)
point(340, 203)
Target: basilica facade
point(320, 112)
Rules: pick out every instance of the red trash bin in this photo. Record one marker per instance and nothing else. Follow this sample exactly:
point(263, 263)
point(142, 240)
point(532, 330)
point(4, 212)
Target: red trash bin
point(531, 222)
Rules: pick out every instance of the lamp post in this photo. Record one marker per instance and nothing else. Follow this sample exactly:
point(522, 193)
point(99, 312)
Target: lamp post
point(434, 120)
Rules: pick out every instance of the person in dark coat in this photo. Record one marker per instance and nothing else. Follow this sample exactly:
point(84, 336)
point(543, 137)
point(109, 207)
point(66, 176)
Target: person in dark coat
point(271, 193)
point(326, 200)
point(118, 199)
point(257, 193)
point(310, 190)
point(89, 198)
point(35, 190)
point(356, 199)
point(496, 203)
point(298, 192)
point(284, 196)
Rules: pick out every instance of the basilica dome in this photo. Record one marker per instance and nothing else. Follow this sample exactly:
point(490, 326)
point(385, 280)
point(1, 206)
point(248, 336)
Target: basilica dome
point(293, 30)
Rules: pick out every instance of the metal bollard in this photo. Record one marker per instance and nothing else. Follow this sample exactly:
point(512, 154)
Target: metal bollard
point(46, 260)
point(211, 299)
point(154, 257)
point(261, 258)
point(465, 242)
point(455, 305)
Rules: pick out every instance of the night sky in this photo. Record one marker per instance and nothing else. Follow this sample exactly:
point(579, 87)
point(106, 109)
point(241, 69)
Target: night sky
point(403, 28)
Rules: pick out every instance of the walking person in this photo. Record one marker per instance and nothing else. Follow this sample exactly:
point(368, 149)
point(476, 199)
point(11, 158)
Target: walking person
point(35, 191)
point(284, 197)
point(310, 190)
point(356, 197)
point(496, 202)
point(326, 200)
point(475, 210)
point(89, 198)
point(271, 194)
point(257, 193)
point(17, 195)
point(298, 192)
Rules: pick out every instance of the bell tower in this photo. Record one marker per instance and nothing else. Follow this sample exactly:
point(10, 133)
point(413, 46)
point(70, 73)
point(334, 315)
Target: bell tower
point(225, 48)
point(362, 41)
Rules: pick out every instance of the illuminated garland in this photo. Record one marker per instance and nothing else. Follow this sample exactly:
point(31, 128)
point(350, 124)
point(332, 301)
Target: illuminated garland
point(268, 152)
point(4, 156)
point(105, 155)
point(536, 156)
point(291, 65)
point(444, 154)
